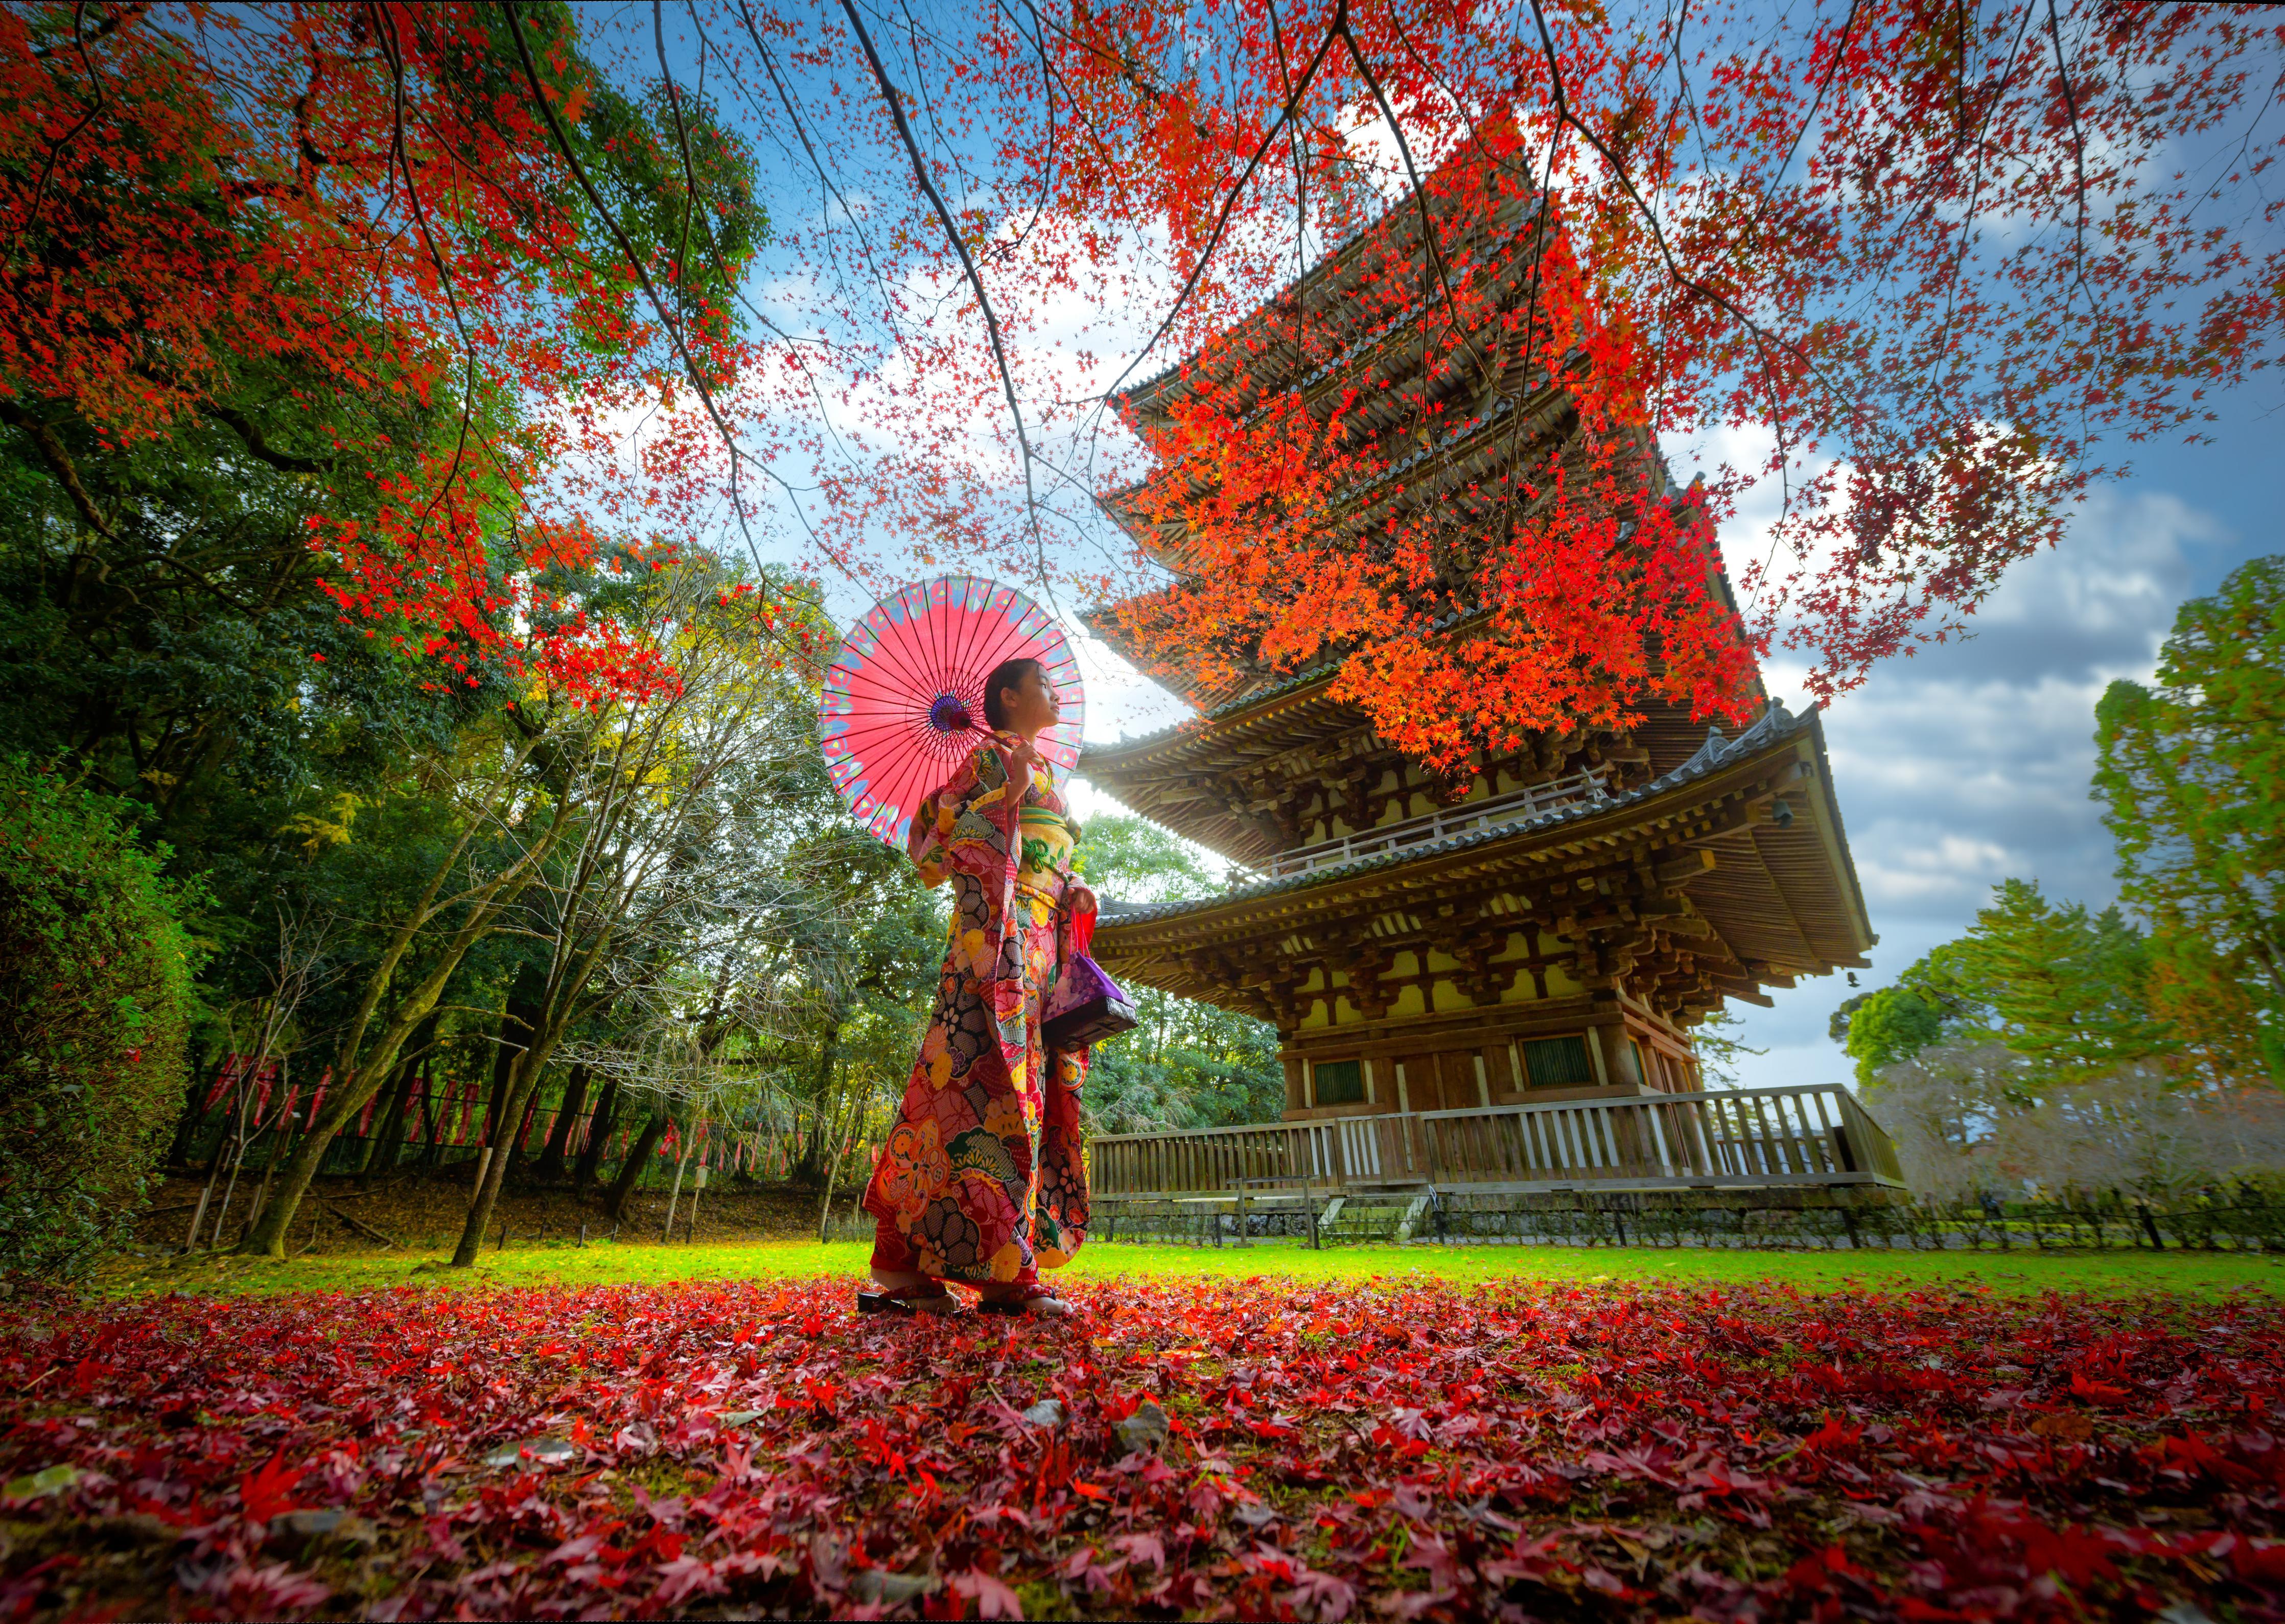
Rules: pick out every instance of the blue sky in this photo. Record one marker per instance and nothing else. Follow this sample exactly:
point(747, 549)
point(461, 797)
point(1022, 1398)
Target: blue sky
point(1969, 764)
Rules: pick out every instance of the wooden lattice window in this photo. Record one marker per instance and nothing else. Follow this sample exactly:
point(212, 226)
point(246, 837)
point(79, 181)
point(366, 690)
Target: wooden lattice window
point(1556, 1062)
point(1338, 1082)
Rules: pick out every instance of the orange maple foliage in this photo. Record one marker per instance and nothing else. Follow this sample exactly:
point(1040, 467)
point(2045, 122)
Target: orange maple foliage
point(1923, 275)
point(385, 203)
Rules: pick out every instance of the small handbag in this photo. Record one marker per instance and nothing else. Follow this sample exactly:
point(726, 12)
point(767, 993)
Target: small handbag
point(1085, 1007)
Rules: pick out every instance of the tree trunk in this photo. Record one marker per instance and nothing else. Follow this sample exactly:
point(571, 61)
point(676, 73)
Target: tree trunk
point(392, 1123)
point(624, 1186)
point(194, 1116)
point(674, 1196)
point(233, 1135)
point(528, 1110)
point(598, 1136)
point(432, 1118)
point(391, 1134)
point(820, 1118)
point(362, 1072)
point(280, 1137)
point(518, 1020)
point(267, 1236)
point(550, 1170)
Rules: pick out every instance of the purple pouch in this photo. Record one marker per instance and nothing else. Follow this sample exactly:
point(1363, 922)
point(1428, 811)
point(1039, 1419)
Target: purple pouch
point(1085, 1007)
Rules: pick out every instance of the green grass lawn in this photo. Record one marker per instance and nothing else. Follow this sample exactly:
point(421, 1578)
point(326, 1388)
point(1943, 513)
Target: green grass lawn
point(2113, 1273)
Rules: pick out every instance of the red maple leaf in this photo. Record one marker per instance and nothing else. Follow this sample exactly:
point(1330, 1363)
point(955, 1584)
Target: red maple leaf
point(267, 1492)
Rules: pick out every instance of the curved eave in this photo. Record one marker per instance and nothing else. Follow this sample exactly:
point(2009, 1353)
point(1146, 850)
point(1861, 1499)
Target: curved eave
point(1298, 710)
point(1783, 899)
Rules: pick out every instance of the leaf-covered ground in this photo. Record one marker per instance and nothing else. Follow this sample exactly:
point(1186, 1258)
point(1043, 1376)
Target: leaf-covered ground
point(1251, 1448)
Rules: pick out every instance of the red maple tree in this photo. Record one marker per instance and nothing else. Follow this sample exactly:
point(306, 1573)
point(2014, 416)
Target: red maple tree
point(1922, 275)
point(1925, 274)
point(425, 226)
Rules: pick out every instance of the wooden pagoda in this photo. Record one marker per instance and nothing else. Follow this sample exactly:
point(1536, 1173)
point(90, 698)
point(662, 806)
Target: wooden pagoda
point(1550, 929)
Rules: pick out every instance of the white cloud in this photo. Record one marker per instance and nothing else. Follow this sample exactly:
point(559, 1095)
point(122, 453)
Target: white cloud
point(1970, 763)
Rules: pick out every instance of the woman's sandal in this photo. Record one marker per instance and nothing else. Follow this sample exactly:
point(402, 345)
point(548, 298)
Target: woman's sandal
point(908, 1299)
point(1038, 1302)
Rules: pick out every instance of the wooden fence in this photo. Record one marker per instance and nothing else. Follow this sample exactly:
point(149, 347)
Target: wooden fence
point(1810, 1133)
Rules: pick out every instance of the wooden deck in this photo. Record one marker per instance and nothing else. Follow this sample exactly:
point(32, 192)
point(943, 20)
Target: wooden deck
point(1747, 1138)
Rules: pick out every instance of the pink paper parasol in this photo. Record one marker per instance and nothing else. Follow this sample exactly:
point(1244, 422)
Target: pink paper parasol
point(895, 717)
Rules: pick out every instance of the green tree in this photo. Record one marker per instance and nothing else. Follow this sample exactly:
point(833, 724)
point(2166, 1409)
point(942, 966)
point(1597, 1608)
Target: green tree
point(1187, 1063)
point(2066, 989)
point(95, 1004)
point(1887, 1026)
point(2192, 775)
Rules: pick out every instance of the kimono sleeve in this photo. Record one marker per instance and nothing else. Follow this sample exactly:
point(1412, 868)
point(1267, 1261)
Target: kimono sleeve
point(963, 827)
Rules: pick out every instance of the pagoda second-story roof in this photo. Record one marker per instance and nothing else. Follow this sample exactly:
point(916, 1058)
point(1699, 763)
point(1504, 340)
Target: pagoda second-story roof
point(1162, 775)
point(1784, 896)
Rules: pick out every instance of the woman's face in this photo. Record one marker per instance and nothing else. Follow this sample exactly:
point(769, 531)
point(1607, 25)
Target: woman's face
point(1032, 706)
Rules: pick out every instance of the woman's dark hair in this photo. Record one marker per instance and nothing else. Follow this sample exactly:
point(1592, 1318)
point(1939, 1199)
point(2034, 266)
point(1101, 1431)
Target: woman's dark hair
point(1007, 674)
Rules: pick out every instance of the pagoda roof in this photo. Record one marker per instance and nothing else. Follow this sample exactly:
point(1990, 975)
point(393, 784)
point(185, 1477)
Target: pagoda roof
point(1297, 710)
point(1394, 227)
point(1784, 899)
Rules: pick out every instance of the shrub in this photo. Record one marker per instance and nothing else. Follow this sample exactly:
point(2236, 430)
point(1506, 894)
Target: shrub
point(95, 1007)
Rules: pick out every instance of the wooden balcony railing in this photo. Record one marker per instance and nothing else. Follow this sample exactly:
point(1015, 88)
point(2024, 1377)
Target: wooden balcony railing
point(1517, 806)
point(1810, 1133)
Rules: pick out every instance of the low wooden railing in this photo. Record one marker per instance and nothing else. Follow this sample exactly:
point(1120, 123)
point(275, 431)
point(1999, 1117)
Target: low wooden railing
point(1810, 1134)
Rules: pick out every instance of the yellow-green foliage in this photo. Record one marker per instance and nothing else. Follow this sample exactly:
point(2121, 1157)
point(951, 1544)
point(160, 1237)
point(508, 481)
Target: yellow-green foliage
point(95, 1005)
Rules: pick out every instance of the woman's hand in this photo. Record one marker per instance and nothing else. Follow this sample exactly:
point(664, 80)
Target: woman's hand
point(1026, 759)
point(1079, 896)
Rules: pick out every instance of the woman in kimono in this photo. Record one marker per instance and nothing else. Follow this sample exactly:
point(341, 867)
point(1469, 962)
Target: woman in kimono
point(981, 1180)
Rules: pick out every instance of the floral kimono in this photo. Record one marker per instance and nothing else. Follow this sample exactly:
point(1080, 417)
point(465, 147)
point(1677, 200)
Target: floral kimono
point(981, 1179)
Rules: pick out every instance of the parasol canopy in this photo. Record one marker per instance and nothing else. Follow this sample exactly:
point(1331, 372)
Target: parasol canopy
point(895, 718)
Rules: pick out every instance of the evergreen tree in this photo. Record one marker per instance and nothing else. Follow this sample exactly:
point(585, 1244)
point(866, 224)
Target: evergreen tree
point(2192, 775)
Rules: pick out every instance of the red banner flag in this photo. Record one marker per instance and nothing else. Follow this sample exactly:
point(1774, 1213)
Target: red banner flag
point(223, 1079)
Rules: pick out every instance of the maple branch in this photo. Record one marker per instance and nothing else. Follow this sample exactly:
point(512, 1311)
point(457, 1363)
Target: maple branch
point(125, 13)
point(667, 320)
point(1301, 195)
point(1536, 282)
point(1420, 199)
point(801, 132)
point(59, 463)
point(1229, 204)
point(248, 430)
point(1763, 341)
point(2078, 154)
point(56, 148)
point(1038, 40)
point(682, 139)
point(967, 264)
point(392, 51)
